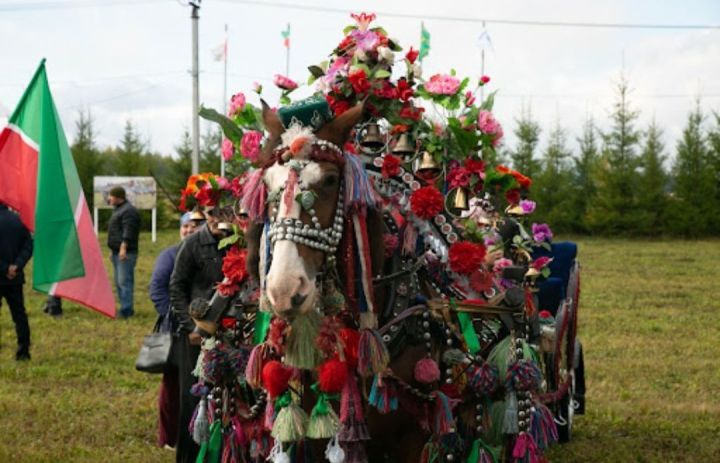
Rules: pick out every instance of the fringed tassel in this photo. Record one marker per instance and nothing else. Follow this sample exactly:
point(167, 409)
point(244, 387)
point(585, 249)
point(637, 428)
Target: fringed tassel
point(353, 427)
point(523, 375)
point(363, 247)
point(525, 450)
point(510, 420)
point(409, 240)
point(334, 452)
point(269, 416)
point(373, 356)
point(301, 351)
point(256, 361)
point(354, 452)
point(278, 455)
point(359, 192)
point(483, 379)
point(481, 453)
point(201, 425)
point(383, 394)
point(210, 450)
point(542, 427)
point(444, 421)
point(290, 424)
point(324, 422)
point(254, 195)
point(451, 444)
point(430, 452)
point(529, 302)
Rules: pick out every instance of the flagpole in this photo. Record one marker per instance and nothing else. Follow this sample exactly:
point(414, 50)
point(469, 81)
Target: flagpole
point(482, 68)
point(225, 99)
point(287, 52)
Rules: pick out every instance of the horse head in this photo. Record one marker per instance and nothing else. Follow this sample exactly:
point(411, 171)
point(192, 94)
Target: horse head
point(304, 174)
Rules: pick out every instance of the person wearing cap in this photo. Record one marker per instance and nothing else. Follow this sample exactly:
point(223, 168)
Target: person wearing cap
point(16, 247)
point(123, 234)
point(169, 400)
point(198, 269)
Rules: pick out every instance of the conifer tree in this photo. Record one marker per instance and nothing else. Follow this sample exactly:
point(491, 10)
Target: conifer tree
point(584, 172)
point(614, 209)
point(552, 186)
point(714, 158)
point(528, 135)
point(210, 150)
point(653, 182)
point(129, 155)
point(86, 155)
point(694, 193)
point(182, 166)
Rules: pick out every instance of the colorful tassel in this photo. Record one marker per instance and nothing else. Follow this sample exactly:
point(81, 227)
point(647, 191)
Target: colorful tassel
point(510, 420)
point(373, 356)
point(525, 450)
point(481, 453)
point(354, 452)
point(353, 427)
point(324, 422)
point(301, 351)
point(444, 421)
point(542, 427)
point(426, 371)
point(430, 452)
point(359, 192)
point(210, 449)
point(483, 379)
point(201, 425)
point(409, 240)
point(290, 423)
point(523, 375)
point(383, 394)
point(253, 370)
point(254, 195)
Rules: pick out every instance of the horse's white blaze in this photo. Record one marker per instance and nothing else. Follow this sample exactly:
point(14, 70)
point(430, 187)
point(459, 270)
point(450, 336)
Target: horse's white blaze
point(287, 275)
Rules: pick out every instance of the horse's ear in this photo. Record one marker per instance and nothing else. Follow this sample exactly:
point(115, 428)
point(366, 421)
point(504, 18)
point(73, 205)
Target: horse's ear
point(339, 128)
point(271, 121)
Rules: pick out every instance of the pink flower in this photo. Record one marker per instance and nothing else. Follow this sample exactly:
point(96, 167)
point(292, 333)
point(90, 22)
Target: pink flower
point(236, 187)
point(541, 262)
point(458, 177)
point(365, 40)
point(469, 98)
point(284, 82)
point(527, 206)
point(541, 232)
point(237, 104)
point(501, 264)
point(227, 149)
point(250, 144)
point(222, 182)
point(484, 80)
point(490, 126)
point(257, 88)
point(442, 84)
point(363, 20)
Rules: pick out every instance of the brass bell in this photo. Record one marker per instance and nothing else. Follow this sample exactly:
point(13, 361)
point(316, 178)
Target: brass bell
point(404, 146)
point(426, 168)
point(197, 215)
point(514, 210)
point(225, 226)
point(457, 201)
point(371, 140)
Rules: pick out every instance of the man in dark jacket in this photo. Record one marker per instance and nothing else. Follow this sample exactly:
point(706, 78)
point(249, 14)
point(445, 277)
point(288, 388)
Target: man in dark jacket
point(123, 233)
point(16, 247)
point(198, 269)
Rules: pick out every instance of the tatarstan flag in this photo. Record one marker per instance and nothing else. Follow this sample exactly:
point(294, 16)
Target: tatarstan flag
point(38, 179)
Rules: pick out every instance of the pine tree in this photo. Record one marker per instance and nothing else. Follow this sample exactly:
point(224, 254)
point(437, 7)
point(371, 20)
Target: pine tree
point(614, 209)
point(129, 158)
point(182, 166)
point(714, 158)
point(210, 150)
point(584, 172)
point(528, 135)
point(653, 182)
point(86, 155)
point(694, 190)
point(552, 186)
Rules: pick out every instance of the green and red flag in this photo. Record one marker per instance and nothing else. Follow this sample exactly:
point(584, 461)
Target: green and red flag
point(286, 36)
point(424, 41)
point(40, 181)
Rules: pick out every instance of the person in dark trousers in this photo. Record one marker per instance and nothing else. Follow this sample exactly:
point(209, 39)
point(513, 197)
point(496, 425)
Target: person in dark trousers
point(53, 306)
point(16, 247)
point(198, 269)
point(123, 234)
point(168, 400)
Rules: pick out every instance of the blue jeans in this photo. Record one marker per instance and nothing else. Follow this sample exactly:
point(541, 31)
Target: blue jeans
point(125, 281)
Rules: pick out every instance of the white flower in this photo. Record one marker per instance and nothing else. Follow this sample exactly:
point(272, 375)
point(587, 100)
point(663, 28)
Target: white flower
point(417, 70)
point(360, 54)
point(386, 54)
point(321, 85)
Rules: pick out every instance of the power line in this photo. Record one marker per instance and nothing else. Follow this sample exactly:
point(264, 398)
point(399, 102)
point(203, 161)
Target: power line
point(512, 22)
point(36, 6)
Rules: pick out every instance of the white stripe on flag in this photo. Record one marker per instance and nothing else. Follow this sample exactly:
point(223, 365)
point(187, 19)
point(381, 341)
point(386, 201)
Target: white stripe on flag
point(25, 138)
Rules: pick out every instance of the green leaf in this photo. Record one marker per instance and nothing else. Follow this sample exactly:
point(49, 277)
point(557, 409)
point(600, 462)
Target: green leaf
point(545, 272)
point(380, 30)
point(316, 71)
point(232, 239)
point(349, 29)
point(489, 101)
point(229, 127)
point(394, 46)
point(284, 99)
point(382, 74)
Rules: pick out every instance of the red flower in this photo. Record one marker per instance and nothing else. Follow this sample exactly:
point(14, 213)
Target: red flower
point(426, 202)
point(349, 147)
point(458, 177)
point(481, 281)
point(524, 181)
point(541, 262)
point(405, 91)
point(513, 196)
point(466, 257)
point(409, 112)
point(412, 55)
point(227, 287)
point(205, 196)
point(236, 187)
point(469, 98)
point(545, 314)
point(484, 80)
point(234, 265)
point(358, 80)
point(398, 128)
point(386, 90)
point(346, 44)
point(390, 166)
point(475, 166)
point(338, 106)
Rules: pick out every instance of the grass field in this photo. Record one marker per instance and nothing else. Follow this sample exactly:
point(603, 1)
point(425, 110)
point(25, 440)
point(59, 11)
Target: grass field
point(648, 321)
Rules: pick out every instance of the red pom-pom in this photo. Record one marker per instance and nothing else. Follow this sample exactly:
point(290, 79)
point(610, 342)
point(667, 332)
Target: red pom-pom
point(351, 339)
point(390, 166)
point(426, 202)
point(466, 256)
point(332, 376)
point(427, 371)
point(275, 377)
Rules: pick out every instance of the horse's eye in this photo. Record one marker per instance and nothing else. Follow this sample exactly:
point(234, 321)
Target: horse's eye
point(330, 181)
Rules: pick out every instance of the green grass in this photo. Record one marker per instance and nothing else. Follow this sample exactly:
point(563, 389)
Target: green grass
point(648, 321)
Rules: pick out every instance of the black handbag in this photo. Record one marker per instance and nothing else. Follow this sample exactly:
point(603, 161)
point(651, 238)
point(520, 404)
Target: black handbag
point(154, 353)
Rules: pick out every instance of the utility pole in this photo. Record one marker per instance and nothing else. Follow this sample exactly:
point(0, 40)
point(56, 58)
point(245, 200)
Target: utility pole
point(225, 99)
point(195, 4)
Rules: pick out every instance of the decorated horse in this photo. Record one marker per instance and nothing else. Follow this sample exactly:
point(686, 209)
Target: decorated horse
point(384, 298)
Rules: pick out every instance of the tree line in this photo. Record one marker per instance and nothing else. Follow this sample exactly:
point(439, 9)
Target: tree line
point(620, 180)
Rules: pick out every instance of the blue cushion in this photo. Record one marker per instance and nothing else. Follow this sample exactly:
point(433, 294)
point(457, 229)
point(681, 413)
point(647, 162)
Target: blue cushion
point(552, 291)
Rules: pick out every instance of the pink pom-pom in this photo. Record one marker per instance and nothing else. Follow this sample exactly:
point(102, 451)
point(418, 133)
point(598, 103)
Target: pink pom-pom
point(427, 371)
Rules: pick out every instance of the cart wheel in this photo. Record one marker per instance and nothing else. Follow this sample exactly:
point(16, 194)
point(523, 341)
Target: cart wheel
point(565, 412)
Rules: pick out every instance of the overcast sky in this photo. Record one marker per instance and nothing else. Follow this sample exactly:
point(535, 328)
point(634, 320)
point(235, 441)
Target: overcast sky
point(129, 59)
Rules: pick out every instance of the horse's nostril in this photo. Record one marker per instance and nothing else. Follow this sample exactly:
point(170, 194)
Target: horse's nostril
point(297, 300)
